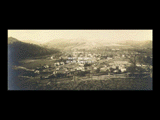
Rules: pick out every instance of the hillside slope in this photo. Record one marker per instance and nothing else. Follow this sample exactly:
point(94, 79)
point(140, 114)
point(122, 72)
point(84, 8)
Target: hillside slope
point(62, 44)
point(142, 44)
point(19, 50)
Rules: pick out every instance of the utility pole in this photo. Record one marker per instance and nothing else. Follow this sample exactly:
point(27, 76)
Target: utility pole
point(109, 73)
point(74, 77)
point(91, 73)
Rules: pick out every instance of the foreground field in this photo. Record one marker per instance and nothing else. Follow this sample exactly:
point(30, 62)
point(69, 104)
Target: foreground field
point(111, 84)
point(24, 83)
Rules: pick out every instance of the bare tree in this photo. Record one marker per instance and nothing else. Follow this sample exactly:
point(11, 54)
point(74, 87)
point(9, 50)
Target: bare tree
point(132, 57)
point(141, 57)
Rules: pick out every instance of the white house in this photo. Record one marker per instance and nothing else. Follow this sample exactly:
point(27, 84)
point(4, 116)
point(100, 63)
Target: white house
point(52, 57)
point(113, 66)
point(61, 63)
point(103, 69)
point(55, 72)
point(72, 70)
point(98, 58)
point(109, 58)
point(119, 63)
point(46, 66)
point(81, 64)
point(115, 71)
point(66, 69)
point(77, 68)
point(123, 69)
point(123, 55)
point(81, 68)
point(139, 65)
point(89, 55)
point(57, 63)
point(95, 68)
point(57, 68)
point(36, 71)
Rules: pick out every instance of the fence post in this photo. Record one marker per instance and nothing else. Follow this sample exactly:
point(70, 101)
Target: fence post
point(73, 77)
point(109, 74)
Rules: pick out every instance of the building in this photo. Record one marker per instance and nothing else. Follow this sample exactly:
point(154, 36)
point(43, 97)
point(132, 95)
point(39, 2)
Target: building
point(123, 56)
point(81, 65)
point(98, 58)
point(109, 58)
point(57, 69)
point(81, 68)
point(65, 69)
point(119, 63)
point(104, 69)
point(95, 68)
point(46, 71)
point(116, 71)
point(57, 64)
point(52, 57)
point(46, 66)
point(54, 72)
point(123, 69)
point(37, 71)
point(113, 66)
point(89, 55)
point(72, 70)
point(61, 63)
point(76, 53)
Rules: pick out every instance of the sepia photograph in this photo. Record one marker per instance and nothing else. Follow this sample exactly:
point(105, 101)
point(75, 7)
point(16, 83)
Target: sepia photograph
point(80, 59)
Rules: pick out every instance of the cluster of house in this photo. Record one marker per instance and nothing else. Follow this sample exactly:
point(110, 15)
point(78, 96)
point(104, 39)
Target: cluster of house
point(145, 67)
point(79, 66)
point(114, 67)
point(120, 65)
point(59, 63)
point(70, 68)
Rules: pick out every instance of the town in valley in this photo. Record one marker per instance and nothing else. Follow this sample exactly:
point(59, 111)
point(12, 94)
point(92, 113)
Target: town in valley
point(74, 65)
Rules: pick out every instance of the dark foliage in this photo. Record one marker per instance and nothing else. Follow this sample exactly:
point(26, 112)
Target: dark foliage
point(18, 50)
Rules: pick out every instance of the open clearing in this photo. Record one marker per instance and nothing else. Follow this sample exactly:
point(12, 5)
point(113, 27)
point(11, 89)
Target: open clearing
point(33, 63)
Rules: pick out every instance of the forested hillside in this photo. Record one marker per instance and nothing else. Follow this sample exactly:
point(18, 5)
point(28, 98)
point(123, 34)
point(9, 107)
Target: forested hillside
point(18, 50)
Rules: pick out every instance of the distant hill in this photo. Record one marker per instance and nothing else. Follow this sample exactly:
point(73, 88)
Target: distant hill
point(70, 44)
point(64, 44)
point(20, 50)
point(137, 44)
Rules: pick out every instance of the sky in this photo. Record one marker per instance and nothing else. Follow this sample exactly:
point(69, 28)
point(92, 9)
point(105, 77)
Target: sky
point(42, 36)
